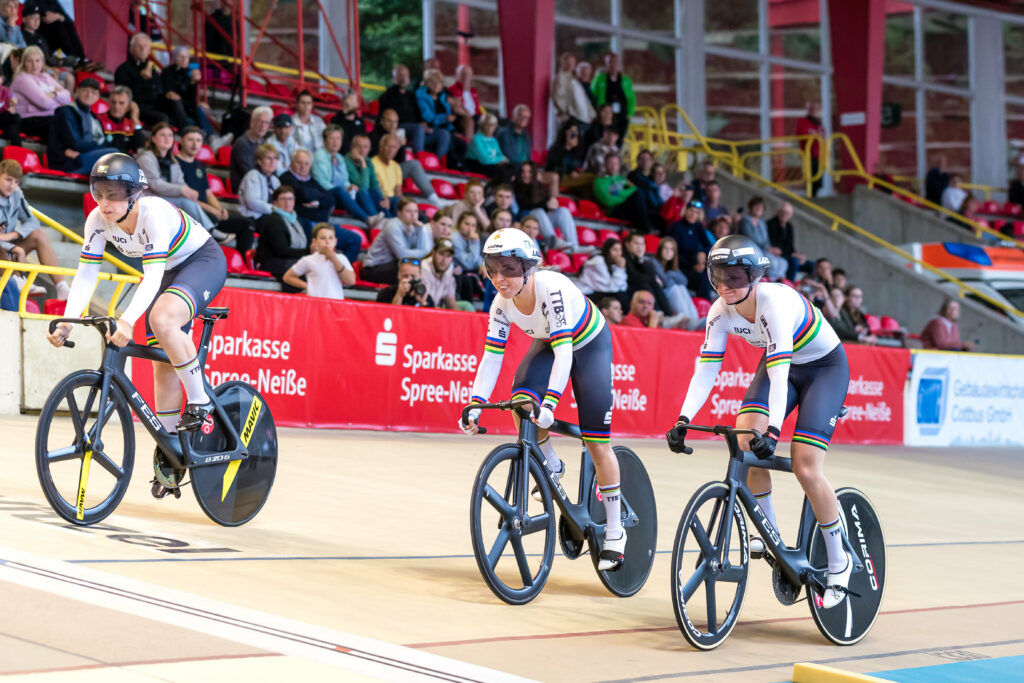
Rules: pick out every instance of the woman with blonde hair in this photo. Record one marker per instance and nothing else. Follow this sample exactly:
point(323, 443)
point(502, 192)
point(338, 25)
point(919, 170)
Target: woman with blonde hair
point(485, 155)
point(38, 93)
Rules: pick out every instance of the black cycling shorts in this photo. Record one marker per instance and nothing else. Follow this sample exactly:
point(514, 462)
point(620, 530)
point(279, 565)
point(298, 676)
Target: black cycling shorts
point(196, 282)
point(591, 378)
point(818, 388)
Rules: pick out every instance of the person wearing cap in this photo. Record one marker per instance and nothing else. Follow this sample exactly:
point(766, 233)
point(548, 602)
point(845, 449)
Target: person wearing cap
point(283, 140)
point(439, 274)
point(691, 235)
point(180, 79)
point(76, 138)
point(31, 18)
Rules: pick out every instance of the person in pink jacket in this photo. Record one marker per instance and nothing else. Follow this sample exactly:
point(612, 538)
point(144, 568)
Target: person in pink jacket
point(38, 93)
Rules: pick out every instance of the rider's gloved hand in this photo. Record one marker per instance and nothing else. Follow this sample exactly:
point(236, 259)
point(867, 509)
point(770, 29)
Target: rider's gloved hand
point(676, 436)
point(474, 420)
point(764, 446)
point(546, 416)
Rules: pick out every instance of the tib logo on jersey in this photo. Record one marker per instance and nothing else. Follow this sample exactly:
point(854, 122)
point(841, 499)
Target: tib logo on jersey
point(387, 345)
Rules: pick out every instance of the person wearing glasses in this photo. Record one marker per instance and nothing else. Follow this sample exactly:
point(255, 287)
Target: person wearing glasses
point(570, 341)
point(403, 237)
point(409, 290)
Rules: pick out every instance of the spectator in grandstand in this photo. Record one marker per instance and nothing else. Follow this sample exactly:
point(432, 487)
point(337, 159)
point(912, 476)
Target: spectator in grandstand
point(31, 18)
point(604, 120)
point(970, 209)
point(611, 86)
point(619, 197)
point(853, 315)
point(37, 95)
point(676, 284)
point(179, 79)
point(503, 198)
point(485, 156)
point(611, 309)
point(61, 34)
point(243, 151)
point(943, 331)
point(515, 139)
point(473, 203)
point(642, 177)
point(697, 277)
point(812, 125)
point(644, 272)
point(438, 274)
point(642, 312)
point(466, 241)
point(325, 270)
point(712, 207)
point(465, 102)
point(387, 170)
point(9, 31)
point(585, 75)
point(937, 180)
point(401, 99)
point(954, 195)
point(566, 160)
point(754, 227)
point(534, 198)
point(502, 219)
point(440, 225)
point(572, 103)
point(352, 124)
point(20, 231)
point(307, 127)
point(1015, 193)
point(437, 116)
point(10, 122)
point(283, 140)
point(121, 123)
point(660, 176)
point(782, 237)
point(674, 209)
point(76, 138)
point(705, 177)
point(604, 274)
point(601, 151)
point(843, 325)
point(258, 185)
point(313, 203)
point(218, 33)
point(403, 237)
point(387, 124)
point(363, 177)
point(839, 278)
point(816, 286)
point(141, 74)
point(408, 289)
point(691, 235)
point(282, 237)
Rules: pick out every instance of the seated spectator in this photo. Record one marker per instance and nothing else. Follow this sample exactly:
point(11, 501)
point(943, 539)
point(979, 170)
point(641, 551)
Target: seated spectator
point(37, 94)
point(853, 315)
point(943, 331)
point(197, 177)
point(690, 234)
point(674, 208)
point(362, 175)
point(243, 151)
point(401, 99)
point(10, 33)
point(712, 208)
point(565, 162)
point(403, 237)
point(936, 181)
point(468, 256)
point(282, 238)
point(604, 120)
point(642, 312)
point(533, 198)
point(619, 197)
point(485, 155)
point(440, 225)
point(121, 122)
point(61, 34)
point(350, 121)
point(611, 309)
point(10, 121)
point(613, 87)
point(782, 237)
point(387, 124)
point(438, 274)
point(409, 289)
point(140, 73)
point(502, 219)
point(705, 177)
point(572, 104)
point(465, 102)
point(754, 227)
point(531, 227)
point(324, 268)
point(473, 204)
point(642, 177)
point(20, 231)
point(31, 19)
point(660, 176)
point(332, 173)
point(839, 278)
point(970, 211)
point(954, 195)
point(843, 325)
point(503, 198)
point(259, 184)
point(308, 128)
point(675, 283)
point(313, 203)
point(179, 81)
point(603, 275)
point(436, 112)
point(387, 170)
point(76, 138)
point(515, 139)
point(284, 141)
point(599, 153)
point(644, 272)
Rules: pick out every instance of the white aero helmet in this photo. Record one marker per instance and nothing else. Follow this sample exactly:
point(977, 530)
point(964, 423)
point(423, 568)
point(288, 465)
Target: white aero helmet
point(514, 243)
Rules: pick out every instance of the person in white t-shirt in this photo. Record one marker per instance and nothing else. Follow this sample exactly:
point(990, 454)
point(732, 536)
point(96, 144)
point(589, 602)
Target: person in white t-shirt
point(325, 269)
point(439, 274)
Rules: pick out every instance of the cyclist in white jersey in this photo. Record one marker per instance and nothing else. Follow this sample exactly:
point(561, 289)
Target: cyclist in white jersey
point(570, 341)
point(804, 365)
point(183, 269)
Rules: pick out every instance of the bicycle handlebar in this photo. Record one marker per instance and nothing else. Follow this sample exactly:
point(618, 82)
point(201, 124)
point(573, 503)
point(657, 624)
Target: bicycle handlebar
point(722, 430)
point(104, 323)
point(501, 405)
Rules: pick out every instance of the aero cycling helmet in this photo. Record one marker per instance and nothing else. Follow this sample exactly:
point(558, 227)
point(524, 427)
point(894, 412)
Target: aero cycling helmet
point(120, 169)
point(510, 242)
point(732, 251)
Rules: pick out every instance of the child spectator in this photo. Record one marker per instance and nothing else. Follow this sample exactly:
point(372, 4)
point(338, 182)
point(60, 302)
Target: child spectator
point(325, 270)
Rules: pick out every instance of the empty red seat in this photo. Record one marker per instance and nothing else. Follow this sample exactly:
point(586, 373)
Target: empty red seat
point(1011, 209)
point(206, 155)
point(588, 209)
point(54, 306)
point(429, 161)
point(281, 109)
point(409, 187)
point(373, 108)
point(31, 306)
point(890, 324)
point(236, 264)
point(218, 186)
point(223, 157)
point(357, 268)
point(364, 241)
point(586, 236)
point(569, 203)
point(578, 260)
point(100, 107)
point(558, 259)
point(88, 203)
point(702, 305)
point(991, 206)
point(444, 189)
point(1018, 229)
point(250, 265)
point(427, 209)
point(874, 324)
point(460, 190)
point(604, 235)
point(652, 243)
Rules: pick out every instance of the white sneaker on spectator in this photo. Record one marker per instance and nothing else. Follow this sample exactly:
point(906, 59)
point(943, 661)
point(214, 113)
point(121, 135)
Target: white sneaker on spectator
point(221, 236)
point(62, 290)
point(375, 220)
point(218, 141)
point(584, 249)
point(20, 281)
point(436, 201)
point(560, 244)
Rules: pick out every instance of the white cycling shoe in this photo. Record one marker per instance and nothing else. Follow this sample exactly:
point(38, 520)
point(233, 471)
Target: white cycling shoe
point(835, 592)
point(756, 547)
point(611, 557)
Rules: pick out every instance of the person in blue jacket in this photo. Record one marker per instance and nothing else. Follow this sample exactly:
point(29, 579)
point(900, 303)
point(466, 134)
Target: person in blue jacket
point(438, 118)
point(76, 135)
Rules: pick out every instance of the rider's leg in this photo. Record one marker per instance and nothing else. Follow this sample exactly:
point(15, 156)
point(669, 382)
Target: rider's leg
point(544, 443)
point(808, 464)
point(607, 467)
point(172, 310)
point(167, 390)
point(758, 480)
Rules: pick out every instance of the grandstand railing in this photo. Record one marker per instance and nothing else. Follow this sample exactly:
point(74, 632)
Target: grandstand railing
point(32, 271)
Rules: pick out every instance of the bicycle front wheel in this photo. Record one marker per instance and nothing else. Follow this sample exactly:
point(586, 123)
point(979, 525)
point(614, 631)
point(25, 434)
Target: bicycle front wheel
point(710, 560)
point(84, 451)
point(232, 493)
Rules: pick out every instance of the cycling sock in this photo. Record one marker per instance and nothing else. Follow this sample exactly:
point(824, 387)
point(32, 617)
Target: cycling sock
point(169, 419)
point(764, 501)
point(833, 535)
point(549, 454)
point(610, 496)
point(191, 376)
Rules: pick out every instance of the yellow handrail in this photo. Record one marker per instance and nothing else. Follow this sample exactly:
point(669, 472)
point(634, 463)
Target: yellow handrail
point(75, 237)
point(915, 183)
point(33, 270)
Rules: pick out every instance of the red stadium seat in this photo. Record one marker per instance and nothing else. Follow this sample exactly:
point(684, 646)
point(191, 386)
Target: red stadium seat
point(281, 109)
point(429, 161)
point(605, 235)
point(409, 187)
point(236, 264)
point(559, 260)
point(218, 186)
point(364, 241)
point(703, 306)
point(890, 324)
point(588, 209)
point(569, 203)
point(578, 260)
point(587, 237)
point(1018, 228)
point(460, 190)
point(991, 206)
point(206, 155)
point(443, 188)
point(427, 209)
point(373, 233)
point(31, 306)
point(1011, 209)
point(223, 157)
point(88, 203)
point(373, 108)
point(100, 107)
point(250, 264)
point(357, 268)
point(539, 157)
point(652, 243)
point(54, 306)
point(874, 324)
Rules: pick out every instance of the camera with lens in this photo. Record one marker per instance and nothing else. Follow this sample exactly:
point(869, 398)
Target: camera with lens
point(417, 287)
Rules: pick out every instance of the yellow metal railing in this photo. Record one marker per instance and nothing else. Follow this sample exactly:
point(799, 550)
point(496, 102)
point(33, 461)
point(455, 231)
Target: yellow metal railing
point(915, 184)
point(32, 270)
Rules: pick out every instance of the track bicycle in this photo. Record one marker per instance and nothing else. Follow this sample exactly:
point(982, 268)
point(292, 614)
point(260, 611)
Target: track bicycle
point(711, 558)
point(85, 439)
point(504, 482)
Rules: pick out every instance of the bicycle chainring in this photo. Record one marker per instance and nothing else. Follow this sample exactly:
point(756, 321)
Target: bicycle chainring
point(165, 473)
point(571, 548)
point(786, 593)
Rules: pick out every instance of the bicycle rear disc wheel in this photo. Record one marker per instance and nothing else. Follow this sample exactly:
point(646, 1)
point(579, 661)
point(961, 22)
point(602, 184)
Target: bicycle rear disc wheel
point(641, 528)
point(83, 475)
point(232, 493)
point(707, 584)
point(849, 621)
point(514, 548)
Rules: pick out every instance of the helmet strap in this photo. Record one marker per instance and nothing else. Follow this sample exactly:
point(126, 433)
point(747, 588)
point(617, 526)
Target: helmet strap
point(131, 205)
point(526, 278)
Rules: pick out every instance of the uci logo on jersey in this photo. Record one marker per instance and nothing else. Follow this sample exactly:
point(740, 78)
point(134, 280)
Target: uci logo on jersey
point(741, 330)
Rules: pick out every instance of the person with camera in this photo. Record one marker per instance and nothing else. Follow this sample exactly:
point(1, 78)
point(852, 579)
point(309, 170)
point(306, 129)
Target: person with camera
point(409, 290)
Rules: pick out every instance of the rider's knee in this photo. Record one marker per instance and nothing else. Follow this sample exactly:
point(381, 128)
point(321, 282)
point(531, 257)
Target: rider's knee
point(807, 471)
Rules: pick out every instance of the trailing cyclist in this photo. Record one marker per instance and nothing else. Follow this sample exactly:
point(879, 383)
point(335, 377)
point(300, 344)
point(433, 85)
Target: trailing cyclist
point(570, 340)
point(804, 365)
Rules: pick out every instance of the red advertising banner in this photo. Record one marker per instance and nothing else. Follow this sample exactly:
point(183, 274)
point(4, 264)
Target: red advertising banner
point(324, 363)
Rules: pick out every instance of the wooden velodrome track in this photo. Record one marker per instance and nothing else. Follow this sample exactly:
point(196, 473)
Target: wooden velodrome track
point(360, 568)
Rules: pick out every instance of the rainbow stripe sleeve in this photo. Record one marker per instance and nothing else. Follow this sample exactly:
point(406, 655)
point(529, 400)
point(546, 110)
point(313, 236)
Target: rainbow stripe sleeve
point(560, 338)
point(712, 356)
point(155, 258)
point(775, 359)
point(494, 345)
point(86, 257)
